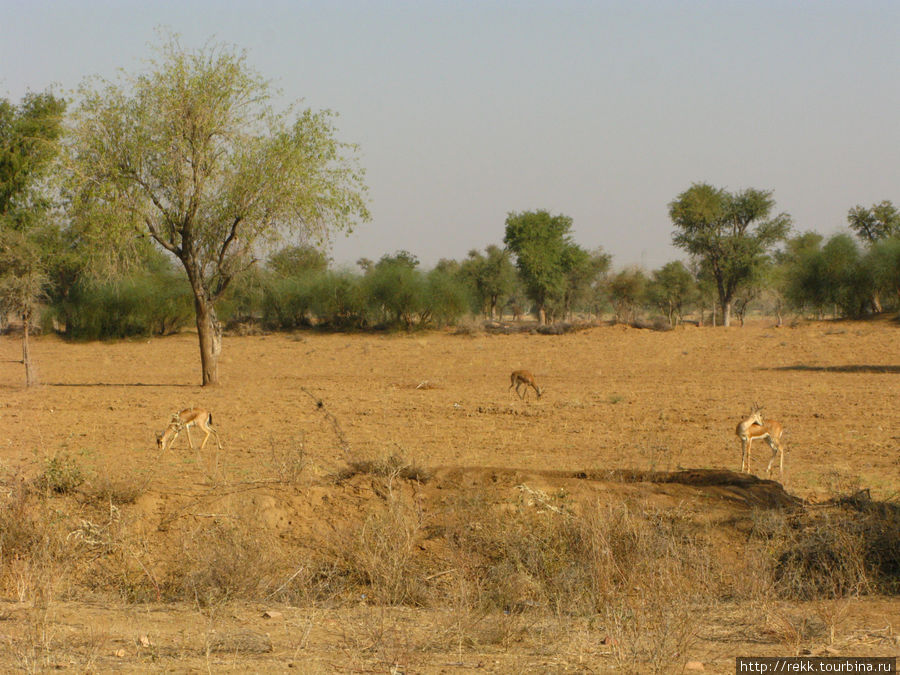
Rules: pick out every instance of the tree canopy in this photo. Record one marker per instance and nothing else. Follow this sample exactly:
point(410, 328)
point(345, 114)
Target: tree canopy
point(881, 221)
point(540, 242)
point(729, 233)
point(29, 143)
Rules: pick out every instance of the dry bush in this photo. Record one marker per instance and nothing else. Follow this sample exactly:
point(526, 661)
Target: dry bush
point(288, 462)
point(35, 556)
point(226, 559)
point(645, 572)
point(380, 559)
point(845, 548)
point(378, 639)
point(118, 490)
point(572, 561)
point(789, 628)
point(392, 466)
point(119, 559)
point(652, 630)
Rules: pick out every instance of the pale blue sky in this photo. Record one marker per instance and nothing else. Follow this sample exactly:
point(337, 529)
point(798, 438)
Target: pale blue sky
point(603, 111)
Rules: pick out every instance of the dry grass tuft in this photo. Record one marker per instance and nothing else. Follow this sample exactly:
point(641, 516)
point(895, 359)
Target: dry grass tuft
point(392, 466)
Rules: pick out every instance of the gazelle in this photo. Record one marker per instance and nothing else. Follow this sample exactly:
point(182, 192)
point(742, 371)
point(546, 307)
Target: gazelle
point(519, 377)
point(755, 427)
point(183, 421)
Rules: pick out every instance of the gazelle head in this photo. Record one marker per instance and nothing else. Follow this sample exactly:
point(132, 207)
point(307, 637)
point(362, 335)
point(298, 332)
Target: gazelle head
point(539, 390)
point(176, 424)
point(756, 414)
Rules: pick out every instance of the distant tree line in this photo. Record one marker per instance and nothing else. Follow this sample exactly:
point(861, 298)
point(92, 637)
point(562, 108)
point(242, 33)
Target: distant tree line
point(177, 196)
point(297, 287)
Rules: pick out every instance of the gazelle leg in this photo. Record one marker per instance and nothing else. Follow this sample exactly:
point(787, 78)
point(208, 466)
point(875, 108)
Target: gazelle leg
point(775, 449)
point(205, 438)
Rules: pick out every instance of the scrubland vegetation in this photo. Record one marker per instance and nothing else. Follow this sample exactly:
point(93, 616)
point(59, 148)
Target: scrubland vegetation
point(640, 582)
point(130, 215)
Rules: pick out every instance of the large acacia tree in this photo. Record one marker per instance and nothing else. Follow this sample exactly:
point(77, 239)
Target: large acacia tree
point(192, 154)
point(729, 234)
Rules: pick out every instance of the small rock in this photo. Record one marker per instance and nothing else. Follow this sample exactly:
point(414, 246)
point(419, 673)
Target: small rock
point(694, 665)
point(119, 653)
point(144, 640)
point(833, 651)
point(272, 614)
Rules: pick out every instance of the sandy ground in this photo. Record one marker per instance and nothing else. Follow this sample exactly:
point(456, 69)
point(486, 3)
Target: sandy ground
point(614, 398)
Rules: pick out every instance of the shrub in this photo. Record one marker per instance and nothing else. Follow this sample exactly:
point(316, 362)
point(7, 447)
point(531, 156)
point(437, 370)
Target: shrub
point(138, 306)
point(287, 302)
point(61, 474)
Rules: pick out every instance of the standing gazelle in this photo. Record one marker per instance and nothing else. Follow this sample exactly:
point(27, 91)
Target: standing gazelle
point(755, 427)
point(183, 421)
point(519, 377)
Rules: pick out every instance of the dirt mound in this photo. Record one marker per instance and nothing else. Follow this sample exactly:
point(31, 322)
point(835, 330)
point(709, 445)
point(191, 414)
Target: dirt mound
point(735, 488)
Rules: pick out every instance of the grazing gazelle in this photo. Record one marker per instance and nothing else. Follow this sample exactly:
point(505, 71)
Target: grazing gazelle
point(183, 421)
point(519, 377)
point(755, 427)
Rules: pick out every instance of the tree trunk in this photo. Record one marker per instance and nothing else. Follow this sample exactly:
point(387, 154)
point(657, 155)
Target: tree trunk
point(542, 315)
point(30, 374)
point(726, 313)
point(210, 334)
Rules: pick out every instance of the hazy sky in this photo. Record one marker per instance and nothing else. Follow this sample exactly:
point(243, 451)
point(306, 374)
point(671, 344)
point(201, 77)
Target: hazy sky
point(603, 111)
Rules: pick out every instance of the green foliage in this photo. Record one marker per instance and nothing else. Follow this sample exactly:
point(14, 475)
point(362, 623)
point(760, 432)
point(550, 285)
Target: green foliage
point(883, 260)
point(583, 272)
point(138, 305)
point(491, 276)
point(834, 275)
point(882, 221)
point(29, 144)
point(395, 290)
point(338, 300)
point(540, 242)
point(729, 233)
point(22, 277)
point(29, 135)
point(673, 290)
point(191, 153)
point(287, 302)
point(446, 298)
point(294, 260)
point(61, 474)
point(627, 291)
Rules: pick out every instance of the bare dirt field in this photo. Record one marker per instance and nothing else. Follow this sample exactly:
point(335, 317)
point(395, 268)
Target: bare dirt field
point(304, 418)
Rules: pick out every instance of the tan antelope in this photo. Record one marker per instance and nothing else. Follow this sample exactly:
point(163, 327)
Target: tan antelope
point(183, 421)
point(519, 377)
point(755, 427)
